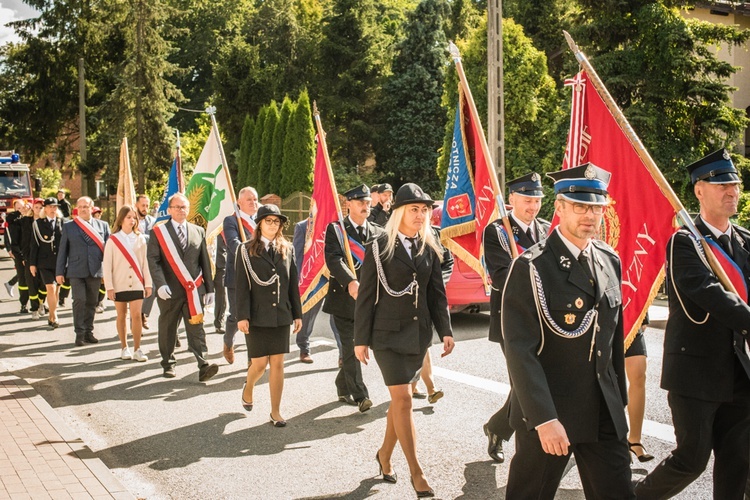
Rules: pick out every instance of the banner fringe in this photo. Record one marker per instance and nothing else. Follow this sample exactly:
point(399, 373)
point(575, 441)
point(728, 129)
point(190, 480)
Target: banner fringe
point(651, 296)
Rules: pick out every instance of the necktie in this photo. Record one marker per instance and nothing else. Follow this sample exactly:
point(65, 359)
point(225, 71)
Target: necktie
point(530, 235)
point(726, 244)
point(413, 242)
point(182, 237)
point(361, 232)
point(271, 251)
point(584, 261)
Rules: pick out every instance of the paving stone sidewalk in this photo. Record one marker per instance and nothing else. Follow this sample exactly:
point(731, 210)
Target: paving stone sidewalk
point(40, 456)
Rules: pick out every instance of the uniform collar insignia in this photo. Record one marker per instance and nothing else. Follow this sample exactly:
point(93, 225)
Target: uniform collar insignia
point(564, 262)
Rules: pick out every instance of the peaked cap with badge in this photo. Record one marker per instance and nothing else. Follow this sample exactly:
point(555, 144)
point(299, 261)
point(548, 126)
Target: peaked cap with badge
point(585, 183)
point(716, 168)
point(361, 192)
point(527, 185)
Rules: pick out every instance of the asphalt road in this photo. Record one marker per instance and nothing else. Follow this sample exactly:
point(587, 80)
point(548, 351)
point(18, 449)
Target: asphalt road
point(178, 438)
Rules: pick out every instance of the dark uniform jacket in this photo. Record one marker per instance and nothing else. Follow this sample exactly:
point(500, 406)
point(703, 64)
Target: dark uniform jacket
point(378, 215)
point(232, 237)
point(195, 257)
point(45, 243)
point(24, 224)
point(699, 358)
point(277, 304)
point(556, 377)
point(338, 301)
point(13, 233)
point(79, 256)
point(221, 252)
point(497, 259)
point(401, 324)
point(64, 206)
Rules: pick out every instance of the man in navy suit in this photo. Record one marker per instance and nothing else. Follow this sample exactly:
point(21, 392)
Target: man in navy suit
point(146, 221)
point(80, 258)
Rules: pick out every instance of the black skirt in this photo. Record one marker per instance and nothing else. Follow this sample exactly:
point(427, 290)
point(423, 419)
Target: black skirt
point(265, 341)
point(399, 369)
point(637, 347)
point(128, 296)
point(47, 275)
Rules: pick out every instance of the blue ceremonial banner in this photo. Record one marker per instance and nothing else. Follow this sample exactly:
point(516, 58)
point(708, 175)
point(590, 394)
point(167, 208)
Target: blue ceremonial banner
point(173, 187)
point(458, 204)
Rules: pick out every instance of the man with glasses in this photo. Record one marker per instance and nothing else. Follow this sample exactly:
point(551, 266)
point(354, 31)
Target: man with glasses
point(563, 335)
point(181, 272)
point(706, 366)
point(526, 199)
point(79, 259)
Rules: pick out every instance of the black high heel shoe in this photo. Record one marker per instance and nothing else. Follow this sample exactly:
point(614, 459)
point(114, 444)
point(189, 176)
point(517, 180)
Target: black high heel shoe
point(247, 406)
point(277, 423)
point(644, 457)
point(422, 494)
point(388, 478)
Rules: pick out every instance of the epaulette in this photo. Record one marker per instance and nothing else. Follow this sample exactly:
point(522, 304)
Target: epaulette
point(543, 221)
point(744, 231)
point(534, 251)
point(601, 245)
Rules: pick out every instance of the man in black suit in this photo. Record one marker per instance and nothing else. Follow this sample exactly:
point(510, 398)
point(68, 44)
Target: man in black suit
point(705, 366)
point(343, 289)
point(45, 242)
point(526, 199)
point(181, 271)
point(145, 223)
point(381, 212)
point(563, 336)
point(13, 245)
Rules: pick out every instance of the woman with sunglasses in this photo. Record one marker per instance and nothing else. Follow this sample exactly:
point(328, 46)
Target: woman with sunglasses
point(268, 302)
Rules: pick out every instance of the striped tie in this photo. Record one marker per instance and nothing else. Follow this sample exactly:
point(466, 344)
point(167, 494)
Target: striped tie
point(181, 235)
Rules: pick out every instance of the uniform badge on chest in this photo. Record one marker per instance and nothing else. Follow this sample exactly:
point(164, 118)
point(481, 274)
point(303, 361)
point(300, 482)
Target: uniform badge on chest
point(579, 302)
point(570, 319)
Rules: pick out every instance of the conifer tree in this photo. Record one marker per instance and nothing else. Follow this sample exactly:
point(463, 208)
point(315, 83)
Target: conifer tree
point(266, 152)
point(246, 144)
point(299, 149)
point(253, 164)
point(277, 157)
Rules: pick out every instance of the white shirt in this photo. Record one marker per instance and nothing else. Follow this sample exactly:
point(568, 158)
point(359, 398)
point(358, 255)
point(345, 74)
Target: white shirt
point(177, 225)
point(129, 238)
point(355, 225)
point(575, 251)
point(524, 227)
point(405, 242)
point(717, 232)
point(268, 243)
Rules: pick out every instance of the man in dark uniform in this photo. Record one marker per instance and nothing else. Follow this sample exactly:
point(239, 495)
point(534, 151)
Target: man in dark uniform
point(63, 204)
point(45, 242)
point(705, 366)
point(344, 286)
point(37, 290)
point(146, 222)
point(563, 336)
point(381, 212)
point(220, 262)
point(525, 196)
point(13, 244)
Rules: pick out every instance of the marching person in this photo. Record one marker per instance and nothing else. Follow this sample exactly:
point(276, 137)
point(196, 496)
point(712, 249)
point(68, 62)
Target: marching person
point(563, 336)
point(635, 368)
point(343, 289)
point(247, 203)
point(268, 302)
point(706, 367)
point(80, 259)
point(146, 222)
point(220, 262)
point(127, 278)
point(374, 195)
point(400, 299)
point(37, 290)
point(45, 241)
point(382, 211)
point(63, 204)
point(13, 244)
point(525, 198)
point(181, 273)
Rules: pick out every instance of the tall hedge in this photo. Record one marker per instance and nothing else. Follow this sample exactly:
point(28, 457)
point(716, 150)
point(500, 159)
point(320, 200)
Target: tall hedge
point(243, 163)
point(266, 152)
point(279, 136)
point(299, 149)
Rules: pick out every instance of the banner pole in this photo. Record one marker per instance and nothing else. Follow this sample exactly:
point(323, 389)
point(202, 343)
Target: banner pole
point(649, 162)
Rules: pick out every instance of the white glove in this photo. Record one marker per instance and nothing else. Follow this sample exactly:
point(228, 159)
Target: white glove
point(164, 292)
point(208, 299)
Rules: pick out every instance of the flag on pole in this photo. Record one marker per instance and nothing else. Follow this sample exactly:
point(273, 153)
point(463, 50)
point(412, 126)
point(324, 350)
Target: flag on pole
point(313, 273)
point(469, 204)
point(208, 190)
point(173, 187)
point(639, 219)
point(125, 188)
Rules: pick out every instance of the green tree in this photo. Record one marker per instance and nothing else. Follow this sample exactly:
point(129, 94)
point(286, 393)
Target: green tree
point(299, 149)
point(266, 152)
point(414, 115)
point(277, 155)
point(253, 167)
point(246, 143)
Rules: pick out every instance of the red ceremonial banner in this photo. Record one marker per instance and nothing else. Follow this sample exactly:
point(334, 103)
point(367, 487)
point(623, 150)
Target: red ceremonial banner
point(313, 273)
point(639, 219)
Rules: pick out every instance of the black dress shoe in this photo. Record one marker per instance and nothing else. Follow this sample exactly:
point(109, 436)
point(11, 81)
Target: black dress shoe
point(207, 371)
point(177, 342)
point(644, 456)
point(24, 310)
point(79, 341)
point(364, 405)
point(220, 328)
point(422, 494)
point(347, 400)
point(277, 423)
point(90, 339)
point(494, 446)
point(388, 478)
point(53, 324)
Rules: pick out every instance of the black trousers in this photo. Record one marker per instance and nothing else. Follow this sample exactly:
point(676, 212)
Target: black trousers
point(349, 379)
point(37, 290)
point(170, 313)
point(220, 299)
point(64, 290)
point(20, 277)
point(701, 427)
point(85, 298)
point(499, 423)
point(604, 466)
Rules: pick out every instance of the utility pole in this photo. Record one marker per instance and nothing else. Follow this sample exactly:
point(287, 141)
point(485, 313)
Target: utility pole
point(495, 92)
point(82, 122)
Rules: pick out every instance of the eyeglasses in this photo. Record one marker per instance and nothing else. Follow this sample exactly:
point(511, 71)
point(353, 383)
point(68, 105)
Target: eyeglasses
point(179, 207)
point(582, 208)
point(272, 222)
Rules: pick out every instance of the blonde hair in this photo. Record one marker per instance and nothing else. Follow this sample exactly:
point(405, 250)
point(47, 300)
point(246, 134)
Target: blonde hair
point(425, 235)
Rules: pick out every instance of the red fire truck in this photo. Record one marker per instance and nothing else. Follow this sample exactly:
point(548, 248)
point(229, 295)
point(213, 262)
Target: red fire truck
point(15, 183)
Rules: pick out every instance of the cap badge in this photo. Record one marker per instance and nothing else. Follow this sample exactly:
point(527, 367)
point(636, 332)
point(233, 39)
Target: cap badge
point(579, 302)
point(570, 318)
point(590, 173)
point(726, 155)
point(535, 177)
point(418, 192)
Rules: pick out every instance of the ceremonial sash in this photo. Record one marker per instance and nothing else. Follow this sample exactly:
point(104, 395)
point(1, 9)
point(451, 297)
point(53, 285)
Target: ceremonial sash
point(90, 232)
point(183, 275)
point(504, 240)
point(129, 255)
point(248, 225)
point(734, 273)
point(355, 247)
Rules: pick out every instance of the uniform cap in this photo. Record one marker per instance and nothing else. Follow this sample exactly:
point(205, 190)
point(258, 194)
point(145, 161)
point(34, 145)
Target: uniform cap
point(716, 168)
point(585, 183)
point(361, 192)
point(527, 185)
point(411, 193)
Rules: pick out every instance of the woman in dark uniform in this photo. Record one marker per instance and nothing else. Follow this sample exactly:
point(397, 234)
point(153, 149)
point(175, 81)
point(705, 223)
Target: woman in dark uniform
point(401, 297)
point(635, 369)
point(267, 294)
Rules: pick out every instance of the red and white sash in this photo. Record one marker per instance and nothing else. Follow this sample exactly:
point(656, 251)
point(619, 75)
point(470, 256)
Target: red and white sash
point(183, 275)
point(248, 223)
point(119, 241)
point(90, 232)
